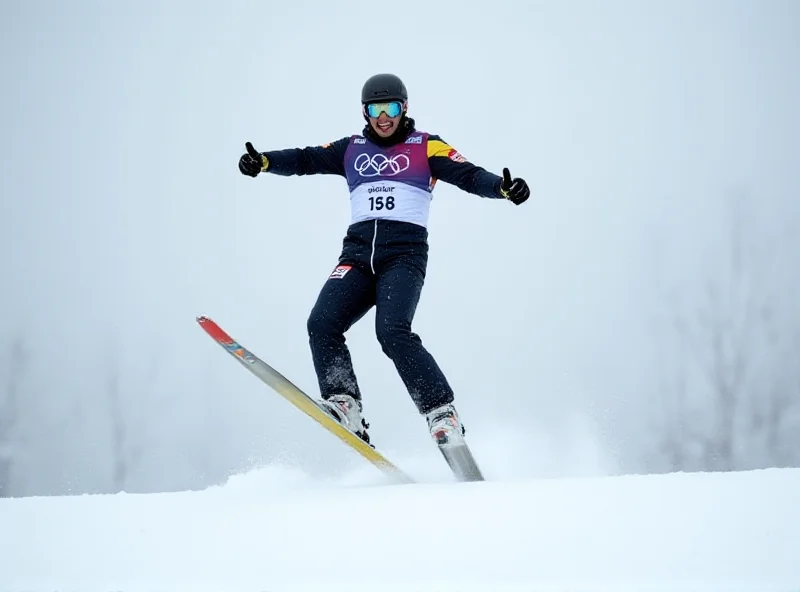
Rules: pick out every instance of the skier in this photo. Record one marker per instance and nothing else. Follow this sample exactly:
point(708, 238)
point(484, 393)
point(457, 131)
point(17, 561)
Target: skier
point(391, 169)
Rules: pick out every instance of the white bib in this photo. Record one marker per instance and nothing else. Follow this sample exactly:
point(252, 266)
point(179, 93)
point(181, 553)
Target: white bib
point(390, 200)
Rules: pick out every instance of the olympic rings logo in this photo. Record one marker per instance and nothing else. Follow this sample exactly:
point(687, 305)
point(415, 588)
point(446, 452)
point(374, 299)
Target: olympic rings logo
point(380, 165)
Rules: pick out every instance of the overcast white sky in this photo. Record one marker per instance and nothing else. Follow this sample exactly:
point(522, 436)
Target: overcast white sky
point(123, 214)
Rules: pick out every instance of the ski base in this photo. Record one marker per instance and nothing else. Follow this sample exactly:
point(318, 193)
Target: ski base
point(299, 399)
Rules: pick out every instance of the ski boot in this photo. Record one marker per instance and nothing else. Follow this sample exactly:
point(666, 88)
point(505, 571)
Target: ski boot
point(347, 411)
point(445, 426)
point(448, 432)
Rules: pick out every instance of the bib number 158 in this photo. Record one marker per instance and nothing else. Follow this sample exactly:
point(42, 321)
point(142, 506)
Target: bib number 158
point(380, 202)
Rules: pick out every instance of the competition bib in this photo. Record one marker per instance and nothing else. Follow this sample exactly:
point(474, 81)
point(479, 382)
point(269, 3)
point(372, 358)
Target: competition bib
point(392, 183)
point(390, 200)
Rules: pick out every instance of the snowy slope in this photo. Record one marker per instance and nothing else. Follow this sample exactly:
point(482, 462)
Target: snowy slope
point(276, 529)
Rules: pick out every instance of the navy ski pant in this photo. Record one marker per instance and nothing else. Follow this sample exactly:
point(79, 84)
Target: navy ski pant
point(383, 264)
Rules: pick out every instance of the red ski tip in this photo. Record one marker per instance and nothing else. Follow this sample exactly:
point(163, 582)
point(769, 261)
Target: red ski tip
point(214, 330)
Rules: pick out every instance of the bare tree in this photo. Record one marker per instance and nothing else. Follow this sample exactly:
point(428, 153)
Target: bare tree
point(9, 412)
point(672, 446)
point(742, 390)
point(125, 446)
point(779, 403)
point(119, 430)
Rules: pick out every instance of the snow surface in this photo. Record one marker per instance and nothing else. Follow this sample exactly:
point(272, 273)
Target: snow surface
point(278, 529)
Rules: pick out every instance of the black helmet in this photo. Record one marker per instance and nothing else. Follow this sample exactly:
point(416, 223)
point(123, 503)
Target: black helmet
point(384, 87)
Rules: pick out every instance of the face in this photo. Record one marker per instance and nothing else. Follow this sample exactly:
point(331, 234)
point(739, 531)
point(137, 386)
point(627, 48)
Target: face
point(385, 117)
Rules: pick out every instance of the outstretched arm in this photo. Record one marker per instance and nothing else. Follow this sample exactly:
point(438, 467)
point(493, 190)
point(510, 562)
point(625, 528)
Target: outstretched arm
point(447, 164)
point(327, 159)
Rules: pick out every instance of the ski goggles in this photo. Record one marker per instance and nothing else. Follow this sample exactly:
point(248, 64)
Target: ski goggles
point(392, 109)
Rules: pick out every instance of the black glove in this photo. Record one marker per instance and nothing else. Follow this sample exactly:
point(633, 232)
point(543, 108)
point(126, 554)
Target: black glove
point(515, 190)
point(253, 162)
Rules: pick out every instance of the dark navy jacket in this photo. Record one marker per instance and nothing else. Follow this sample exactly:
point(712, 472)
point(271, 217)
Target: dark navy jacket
point(374, 244)
point(445, 163)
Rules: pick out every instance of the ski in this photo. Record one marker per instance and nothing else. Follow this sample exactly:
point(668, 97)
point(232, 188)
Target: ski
point(460, 460)
point(280, 384)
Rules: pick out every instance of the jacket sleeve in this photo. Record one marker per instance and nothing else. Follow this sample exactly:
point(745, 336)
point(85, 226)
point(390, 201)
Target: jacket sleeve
point(327, 159)
point(451, 167)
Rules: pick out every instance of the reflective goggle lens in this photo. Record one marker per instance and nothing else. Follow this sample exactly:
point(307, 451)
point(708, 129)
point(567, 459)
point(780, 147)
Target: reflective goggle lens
point(392, 109)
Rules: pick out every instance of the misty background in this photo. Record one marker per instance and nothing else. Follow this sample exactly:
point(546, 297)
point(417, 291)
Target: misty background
point(638, 314)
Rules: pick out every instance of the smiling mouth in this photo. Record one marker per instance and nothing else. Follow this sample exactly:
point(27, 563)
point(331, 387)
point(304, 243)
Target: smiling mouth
point(385, 126)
